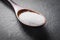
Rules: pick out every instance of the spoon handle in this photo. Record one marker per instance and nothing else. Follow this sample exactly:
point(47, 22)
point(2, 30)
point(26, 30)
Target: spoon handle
point(13, 5)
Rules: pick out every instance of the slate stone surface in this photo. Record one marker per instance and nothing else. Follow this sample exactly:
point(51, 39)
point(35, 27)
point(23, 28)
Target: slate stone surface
point(12, 29)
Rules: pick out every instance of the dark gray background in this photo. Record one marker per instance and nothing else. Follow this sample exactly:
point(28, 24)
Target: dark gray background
point(12, 29)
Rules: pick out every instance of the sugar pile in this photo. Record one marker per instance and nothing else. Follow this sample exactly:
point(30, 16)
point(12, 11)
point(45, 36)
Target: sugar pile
point(31, 18)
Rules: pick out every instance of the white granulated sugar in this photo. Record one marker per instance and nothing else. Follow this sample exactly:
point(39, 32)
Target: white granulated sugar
point(32, 19)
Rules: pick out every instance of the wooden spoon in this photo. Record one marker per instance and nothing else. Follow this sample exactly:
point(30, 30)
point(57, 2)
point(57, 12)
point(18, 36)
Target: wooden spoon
point(27, 16)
